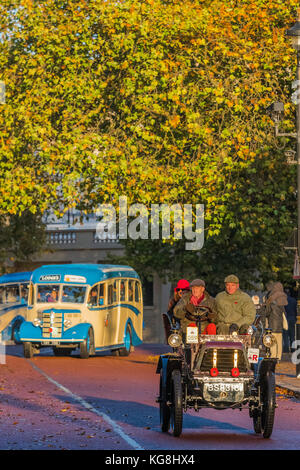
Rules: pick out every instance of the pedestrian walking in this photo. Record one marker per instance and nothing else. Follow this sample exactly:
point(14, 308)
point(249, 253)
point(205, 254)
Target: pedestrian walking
point(273, 314)
point(291, 316)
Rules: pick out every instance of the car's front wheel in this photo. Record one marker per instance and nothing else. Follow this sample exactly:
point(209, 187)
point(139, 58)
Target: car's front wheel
point(164, 409)
point(176, 403)
point(268, 398)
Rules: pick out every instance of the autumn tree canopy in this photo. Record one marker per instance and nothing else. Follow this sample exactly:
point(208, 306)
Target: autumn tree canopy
point(161, 101)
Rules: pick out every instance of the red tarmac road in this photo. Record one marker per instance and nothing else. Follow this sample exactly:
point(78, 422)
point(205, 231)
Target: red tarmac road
point(108, 403)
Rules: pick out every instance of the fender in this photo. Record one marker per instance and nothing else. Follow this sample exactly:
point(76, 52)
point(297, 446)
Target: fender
point(266, 366)
point(77, 332)
point(166, 364)
point(169, 362)
point(29, 332)
point(135, 339)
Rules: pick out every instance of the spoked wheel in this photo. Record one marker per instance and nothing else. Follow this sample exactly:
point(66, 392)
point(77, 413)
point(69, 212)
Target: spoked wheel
point(87, 346)
point(257, 423)
point(164, 409)
point(176, 406)
point(128, 342)
point(268, 398)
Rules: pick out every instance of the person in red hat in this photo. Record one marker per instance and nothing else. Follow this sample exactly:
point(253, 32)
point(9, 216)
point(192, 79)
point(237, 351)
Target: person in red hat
point(182, 286)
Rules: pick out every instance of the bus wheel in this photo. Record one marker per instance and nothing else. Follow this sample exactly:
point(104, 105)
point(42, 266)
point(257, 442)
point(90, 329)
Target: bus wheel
point(15, 329)
point(87, 346)
point(28, 350)
point(126, 350)
point(115, 352)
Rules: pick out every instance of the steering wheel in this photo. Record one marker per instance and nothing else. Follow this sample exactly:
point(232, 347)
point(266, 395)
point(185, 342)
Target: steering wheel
point(202, 310)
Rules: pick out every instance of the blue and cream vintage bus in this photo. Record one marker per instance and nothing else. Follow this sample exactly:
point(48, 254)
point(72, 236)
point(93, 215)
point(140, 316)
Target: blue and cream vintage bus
point(13, 303)
point(93, 307)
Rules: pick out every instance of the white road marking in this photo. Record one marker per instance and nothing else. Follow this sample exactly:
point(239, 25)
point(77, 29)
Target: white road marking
point(89, 407)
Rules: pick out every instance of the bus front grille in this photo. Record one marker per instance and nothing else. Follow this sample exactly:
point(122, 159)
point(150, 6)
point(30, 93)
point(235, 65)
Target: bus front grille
point(52, 325)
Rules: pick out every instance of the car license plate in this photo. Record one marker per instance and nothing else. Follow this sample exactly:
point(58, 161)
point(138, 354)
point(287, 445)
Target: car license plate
point(192, 334)
point(253, 355)
point(224, 387)
point(232, 392)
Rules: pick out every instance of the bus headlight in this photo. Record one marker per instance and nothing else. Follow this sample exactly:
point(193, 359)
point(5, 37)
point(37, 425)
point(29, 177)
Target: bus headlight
point(269, 340)
point(37, 322)
point(67, 323)
point(174, 340)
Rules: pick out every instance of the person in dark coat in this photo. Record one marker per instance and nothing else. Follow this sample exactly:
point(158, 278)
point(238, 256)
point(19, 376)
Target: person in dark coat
point(181, 288)
point(272, 311)
point(186, 308)
point(291, 316)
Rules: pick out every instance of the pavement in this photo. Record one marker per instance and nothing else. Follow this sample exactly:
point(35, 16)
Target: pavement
point(286, 375)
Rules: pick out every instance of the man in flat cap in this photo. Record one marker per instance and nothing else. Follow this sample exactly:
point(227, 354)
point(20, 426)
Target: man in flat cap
point(186, 309)
point(236, 309)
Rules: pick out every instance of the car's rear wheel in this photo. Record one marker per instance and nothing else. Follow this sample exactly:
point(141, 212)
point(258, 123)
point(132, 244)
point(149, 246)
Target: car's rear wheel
point(176, 403)
point(268, 398)
point(257, 422)
point(164, 409)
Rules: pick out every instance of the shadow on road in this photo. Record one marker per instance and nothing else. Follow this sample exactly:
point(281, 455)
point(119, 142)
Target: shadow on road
point(144, 416)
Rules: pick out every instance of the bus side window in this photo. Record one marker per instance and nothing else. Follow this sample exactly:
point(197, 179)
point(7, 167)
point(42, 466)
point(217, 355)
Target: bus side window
point(12, 294)
point(93, 296)
point(123, 291)
point(24, 292)
point(101, 294)
point(115, 292)
point(2, 295)
point(130, 291)
point(136, 292)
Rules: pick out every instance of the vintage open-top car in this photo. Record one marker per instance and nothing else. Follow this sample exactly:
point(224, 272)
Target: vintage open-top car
point(217, 371)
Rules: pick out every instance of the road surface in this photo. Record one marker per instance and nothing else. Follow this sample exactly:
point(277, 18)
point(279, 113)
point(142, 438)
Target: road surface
point(108, 403)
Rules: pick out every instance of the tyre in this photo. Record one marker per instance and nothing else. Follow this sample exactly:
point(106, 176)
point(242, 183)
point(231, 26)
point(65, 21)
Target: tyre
point(257, 423)
point(164, 409)
point(15, 329)
point(176, 403)
point(87, 346)
point(115, 352)
point(28, 350)
point(128, 342)
point(268, 398)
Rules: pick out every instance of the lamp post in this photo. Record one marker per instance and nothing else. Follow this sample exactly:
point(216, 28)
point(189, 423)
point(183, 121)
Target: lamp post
point(294, 34)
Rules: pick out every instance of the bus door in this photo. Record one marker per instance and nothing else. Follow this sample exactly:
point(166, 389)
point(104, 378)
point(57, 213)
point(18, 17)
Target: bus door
point(96, 301)
point(137, 304)
point(112, 320)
